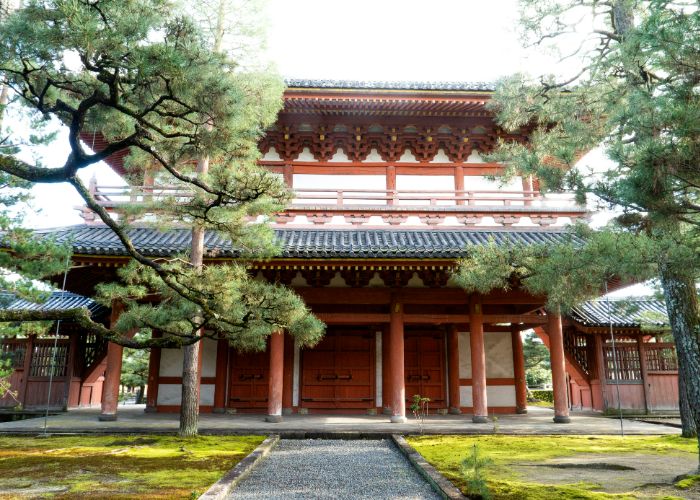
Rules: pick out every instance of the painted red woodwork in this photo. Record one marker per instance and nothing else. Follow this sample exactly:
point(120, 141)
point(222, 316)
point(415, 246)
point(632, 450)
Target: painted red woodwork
point(489, 381)
point(222, 351)
point(339, 373)
point(459, 181)
point(478, 359)
point(153, 377)
point(556, 351)
point(424, 367)
point(519, 370)
point(288, 375)
point(453, 368)
point(386, 371)
point(248, 380)
point(110, 387)
point(276, 378)
point(663, 391)
point(391, 182)
point(396, 356)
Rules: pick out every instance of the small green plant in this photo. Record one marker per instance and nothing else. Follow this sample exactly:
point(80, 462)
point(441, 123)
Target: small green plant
point(473, 469)
point(496, 427)
point(419, 408)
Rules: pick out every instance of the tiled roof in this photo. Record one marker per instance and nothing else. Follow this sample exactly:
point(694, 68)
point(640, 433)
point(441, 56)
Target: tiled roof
point(390, 85)
point(57, 301)
point(624, 313)
point(306, 243)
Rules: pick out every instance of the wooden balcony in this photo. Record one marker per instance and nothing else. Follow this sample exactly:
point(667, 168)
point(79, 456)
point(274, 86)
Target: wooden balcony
point(325, 206)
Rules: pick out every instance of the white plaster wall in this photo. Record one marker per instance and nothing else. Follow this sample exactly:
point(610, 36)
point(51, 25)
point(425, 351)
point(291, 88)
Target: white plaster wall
point(496, 395)
point(171, 394)
point(208, 358)
point(499, 355)
point(171, 360)
point(170, 363)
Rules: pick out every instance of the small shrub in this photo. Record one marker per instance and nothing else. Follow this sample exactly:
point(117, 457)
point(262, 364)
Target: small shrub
point(419, 407)
point(543, 395)
point(473, 469)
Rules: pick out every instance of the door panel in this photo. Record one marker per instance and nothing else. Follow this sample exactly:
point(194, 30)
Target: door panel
point(249, 374)
point(424, 367)
point(338, 373)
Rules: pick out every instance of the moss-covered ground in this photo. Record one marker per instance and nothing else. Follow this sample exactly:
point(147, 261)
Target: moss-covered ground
point(144, 467)
point(447, 452)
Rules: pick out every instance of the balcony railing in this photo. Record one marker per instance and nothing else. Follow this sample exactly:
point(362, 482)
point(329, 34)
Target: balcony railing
point(357, 206)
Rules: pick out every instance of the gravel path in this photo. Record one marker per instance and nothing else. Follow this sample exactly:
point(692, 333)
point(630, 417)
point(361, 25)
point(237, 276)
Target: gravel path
point(321, 468)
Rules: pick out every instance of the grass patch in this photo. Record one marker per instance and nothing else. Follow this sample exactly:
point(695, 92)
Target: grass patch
point(688, 482)
point(446, 453)
point(541, 404)
point(148, 467)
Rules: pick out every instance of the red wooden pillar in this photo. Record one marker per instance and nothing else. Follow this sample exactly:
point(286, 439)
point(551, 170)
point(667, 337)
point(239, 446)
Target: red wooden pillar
point(220, 378)
point(72, 390)
point(598, 386)
point(396, 354)
point(289, 175)
point(153, 378)
point(528, 186)
point(556, 353)
point(459, 184)
point(391, 184)
point(274, 396)
point(26, 369)
point(110, 387)
point(478, 357)
point(645, 372)
point(453, 369)
point(386, 371)
point(288, 376)
point(519, 370)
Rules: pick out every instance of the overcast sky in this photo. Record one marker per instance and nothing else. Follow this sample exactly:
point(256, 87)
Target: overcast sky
point(453, 40)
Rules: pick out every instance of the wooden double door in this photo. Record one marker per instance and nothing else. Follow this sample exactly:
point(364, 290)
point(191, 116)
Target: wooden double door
point(339, 373)
point(424, 366)
point(248, 380)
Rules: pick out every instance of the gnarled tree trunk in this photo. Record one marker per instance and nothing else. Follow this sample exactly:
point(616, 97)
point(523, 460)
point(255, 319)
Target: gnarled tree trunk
point(682, 306)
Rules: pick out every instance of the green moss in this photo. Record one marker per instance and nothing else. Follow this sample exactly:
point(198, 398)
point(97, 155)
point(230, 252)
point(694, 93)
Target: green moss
point(151, 467)
point(446, 453)
point(688, 482)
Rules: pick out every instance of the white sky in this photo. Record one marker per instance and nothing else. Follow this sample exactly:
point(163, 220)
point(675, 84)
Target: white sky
point(452, 40)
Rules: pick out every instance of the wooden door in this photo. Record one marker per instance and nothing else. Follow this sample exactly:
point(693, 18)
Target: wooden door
point(338, 374)
point(424, 367)
point(248, 380)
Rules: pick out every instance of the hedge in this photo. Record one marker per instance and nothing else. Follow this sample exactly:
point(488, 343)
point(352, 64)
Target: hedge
point(543, 395)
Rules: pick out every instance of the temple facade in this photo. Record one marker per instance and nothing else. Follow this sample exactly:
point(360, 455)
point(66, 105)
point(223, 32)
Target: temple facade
point(390, 189)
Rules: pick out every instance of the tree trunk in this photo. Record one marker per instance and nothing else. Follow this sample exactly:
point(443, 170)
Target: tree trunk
point(689, 428)
point(682, 306)
point(139, 394)
point(189, 403)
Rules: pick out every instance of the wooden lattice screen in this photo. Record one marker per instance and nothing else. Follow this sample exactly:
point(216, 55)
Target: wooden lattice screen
point(576, 344)
point(628, 363)
point(15, 351)
point(661, 357)
point(43, 359)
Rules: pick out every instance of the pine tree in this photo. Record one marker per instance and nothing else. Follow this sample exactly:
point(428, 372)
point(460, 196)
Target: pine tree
point(142, 75)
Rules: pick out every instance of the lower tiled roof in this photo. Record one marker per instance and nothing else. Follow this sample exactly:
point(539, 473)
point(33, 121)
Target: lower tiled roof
point(622, 313)
point(306, 243)
point(57, 301)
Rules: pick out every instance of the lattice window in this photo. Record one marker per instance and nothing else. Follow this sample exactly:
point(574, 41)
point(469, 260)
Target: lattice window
point(629, 368)
point(95, 348)
point(661, 357)
point(14, 351)
point(576, 345)
point(44, 361)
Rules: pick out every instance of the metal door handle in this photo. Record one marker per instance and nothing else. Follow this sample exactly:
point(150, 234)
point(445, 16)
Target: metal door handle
point(344, 377)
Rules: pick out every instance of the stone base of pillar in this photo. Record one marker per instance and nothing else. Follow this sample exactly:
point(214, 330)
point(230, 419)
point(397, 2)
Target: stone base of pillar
point(107, 417)
point(398, 419)
point(521, 411)
point(561, 419)
point(478, 419)
point(287, 411)
point(218, 410)
point(455, 411)
point(275, 419)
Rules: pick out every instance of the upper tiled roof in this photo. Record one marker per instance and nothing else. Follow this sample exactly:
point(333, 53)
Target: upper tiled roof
point(306, 243)
point(57, 301)
point(390, 85)
point(624, 313)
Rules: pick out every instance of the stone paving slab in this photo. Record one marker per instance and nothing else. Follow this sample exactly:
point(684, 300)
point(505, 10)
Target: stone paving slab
point(334, 469)
point(132, 419)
